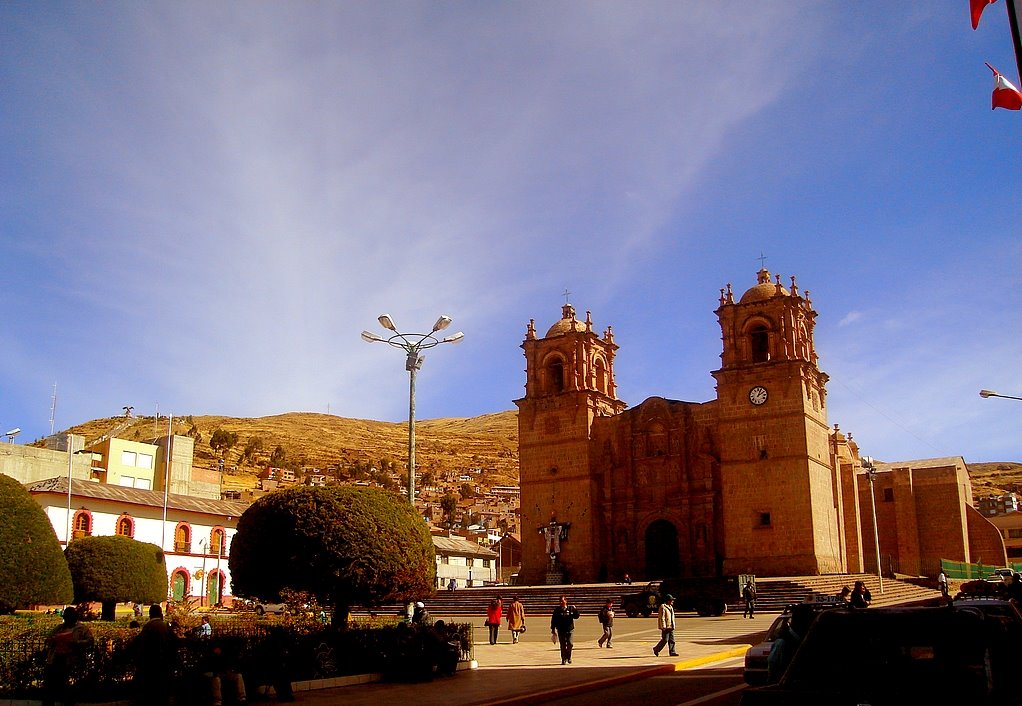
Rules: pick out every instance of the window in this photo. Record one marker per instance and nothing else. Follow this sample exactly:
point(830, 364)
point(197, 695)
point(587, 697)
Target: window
point(601, 376)
point(469, 561)
point(127, 458)
point(216, 542)
point(486, 563)
point(183, 538)
point(82, 524)
point(143, 483)
point(888, 495)
point(145, 461)
point(764, 519)
point(759, 342)
point(125, 526)
point(1015, 534)
point(126, 481)
point(555, 376)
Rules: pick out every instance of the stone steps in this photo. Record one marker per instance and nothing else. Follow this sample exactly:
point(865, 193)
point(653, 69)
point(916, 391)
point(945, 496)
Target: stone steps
point(773, 594)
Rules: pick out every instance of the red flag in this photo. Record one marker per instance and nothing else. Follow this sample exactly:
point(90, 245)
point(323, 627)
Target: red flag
point(1005, 94)
point(977, 7)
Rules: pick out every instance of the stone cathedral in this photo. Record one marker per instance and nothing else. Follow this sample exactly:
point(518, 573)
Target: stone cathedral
point(750, 482)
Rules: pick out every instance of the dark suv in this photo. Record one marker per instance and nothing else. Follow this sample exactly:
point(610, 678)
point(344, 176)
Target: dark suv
point(966, 653)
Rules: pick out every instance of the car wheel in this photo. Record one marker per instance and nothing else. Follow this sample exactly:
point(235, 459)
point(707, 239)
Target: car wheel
point(631, 610)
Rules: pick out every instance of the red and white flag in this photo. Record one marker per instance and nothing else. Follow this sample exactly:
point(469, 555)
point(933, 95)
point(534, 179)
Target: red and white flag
point(977, 7)
point(1005, 94)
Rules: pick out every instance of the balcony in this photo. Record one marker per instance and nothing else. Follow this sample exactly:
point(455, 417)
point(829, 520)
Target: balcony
point(182, 547)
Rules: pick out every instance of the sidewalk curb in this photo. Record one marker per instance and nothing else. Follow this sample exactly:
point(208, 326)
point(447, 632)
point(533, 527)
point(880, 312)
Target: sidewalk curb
point(573, 689)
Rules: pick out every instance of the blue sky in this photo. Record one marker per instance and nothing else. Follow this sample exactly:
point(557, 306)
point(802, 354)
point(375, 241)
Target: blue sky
point(203, 204)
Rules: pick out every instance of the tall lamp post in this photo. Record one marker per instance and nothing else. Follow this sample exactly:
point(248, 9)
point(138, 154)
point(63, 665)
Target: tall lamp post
point(412, 344)
point(871, 475)
point(990, 393)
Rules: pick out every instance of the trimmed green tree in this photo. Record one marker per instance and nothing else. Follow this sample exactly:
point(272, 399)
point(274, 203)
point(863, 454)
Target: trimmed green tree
point(114, 569)
point(31, 563)
point(346, 545)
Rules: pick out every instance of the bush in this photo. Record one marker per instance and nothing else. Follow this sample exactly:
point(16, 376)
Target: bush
point(114, 569)
point(345, 545)
point(32, 566)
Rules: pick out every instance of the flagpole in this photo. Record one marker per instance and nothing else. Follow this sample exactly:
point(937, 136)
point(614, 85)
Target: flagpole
point(166, 480)
point(1015, 37)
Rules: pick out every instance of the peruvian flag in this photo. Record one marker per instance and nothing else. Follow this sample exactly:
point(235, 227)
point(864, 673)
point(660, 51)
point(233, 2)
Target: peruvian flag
point(977, 7)
point(1005, 94)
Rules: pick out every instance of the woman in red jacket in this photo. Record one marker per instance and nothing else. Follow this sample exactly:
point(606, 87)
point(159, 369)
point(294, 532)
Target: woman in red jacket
point(494, 614)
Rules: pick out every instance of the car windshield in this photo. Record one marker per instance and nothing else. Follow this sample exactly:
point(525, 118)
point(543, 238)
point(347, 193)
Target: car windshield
point(933, 650)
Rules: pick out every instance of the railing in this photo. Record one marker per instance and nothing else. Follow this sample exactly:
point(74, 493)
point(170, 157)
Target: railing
point(183, 547)
point(963, 570)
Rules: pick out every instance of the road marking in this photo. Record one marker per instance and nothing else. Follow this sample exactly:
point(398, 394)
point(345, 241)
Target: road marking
point(714, 695)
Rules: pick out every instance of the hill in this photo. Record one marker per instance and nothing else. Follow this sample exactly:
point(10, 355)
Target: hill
point(443, 446)
point(323, 441)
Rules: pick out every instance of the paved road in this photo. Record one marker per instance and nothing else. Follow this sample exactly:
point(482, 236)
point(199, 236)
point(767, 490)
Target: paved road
point(531, 672)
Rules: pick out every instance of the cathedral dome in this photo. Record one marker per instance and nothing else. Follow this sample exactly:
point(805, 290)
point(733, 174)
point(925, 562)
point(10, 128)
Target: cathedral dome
point(567, 324)
point(765, 289)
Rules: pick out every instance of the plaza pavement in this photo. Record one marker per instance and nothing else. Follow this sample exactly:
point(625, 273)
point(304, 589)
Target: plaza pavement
point(531, 671)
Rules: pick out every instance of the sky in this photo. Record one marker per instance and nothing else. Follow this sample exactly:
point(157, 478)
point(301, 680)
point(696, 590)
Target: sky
point(203, 204)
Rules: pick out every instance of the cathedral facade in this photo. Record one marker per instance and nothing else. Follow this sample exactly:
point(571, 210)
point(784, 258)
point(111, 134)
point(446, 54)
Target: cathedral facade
point(753, 481)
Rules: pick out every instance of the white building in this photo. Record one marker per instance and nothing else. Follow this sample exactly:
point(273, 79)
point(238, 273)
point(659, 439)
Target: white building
point(464, 561)
point(195, 536)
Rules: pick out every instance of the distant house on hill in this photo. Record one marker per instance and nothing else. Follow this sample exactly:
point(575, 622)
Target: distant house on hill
point(464, 561)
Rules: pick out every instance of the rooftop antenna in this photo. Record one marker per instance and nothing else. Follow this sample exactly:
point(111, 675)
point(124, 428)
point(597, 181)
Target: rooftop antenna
point(53, 407)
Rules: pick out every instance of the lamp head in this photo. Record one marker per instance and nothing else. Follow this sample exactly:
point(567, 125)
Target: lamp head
point(387, 322)
point(370, 337)
point(442, 323)
point(987, 393)
point(454, 338)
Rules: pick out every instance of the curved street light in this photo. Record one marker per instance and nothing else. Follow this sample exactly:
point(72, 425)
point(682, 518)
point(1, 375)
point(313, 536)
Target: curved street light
point(412, 344)
point(990, 393)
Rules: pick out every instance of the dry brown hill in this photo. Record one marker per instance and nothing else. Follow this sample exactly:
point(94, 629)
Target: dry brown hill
point(443, 446)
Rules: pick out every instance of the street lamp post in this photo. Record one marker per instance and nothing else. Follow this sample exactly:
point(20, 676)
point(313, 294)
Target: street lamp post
point(871, 474)
point(990, 393)
point(412, 344)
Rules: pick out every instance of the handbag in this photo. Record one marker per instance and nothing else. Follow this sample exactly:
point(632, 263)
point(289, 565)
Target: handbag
point(522, 629)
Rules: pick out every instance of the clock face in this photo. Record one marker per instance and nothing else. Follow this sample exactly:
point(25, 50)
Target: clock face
point(758, 395)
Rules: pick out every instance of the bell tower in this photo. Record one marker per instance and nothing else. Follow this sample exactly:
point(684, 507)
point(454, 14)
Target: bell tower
point(569, 381)
point(780, 493)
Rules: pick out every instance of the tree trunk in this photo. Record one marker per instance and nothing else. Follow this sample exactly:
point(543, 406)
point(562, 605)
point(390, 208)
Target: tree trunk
point(109, 610)
point(342, 611)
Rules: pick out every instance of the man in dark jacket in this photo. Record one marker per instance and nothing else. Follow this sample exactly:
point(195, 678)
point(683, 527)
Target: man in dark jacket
point(562, 624)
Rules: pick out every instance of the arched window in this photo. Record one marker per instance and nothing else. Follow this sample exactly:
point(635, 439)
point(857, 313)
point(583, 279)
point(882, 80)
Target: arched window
point(601, 376)
point(759, 343)
point(82, 524)
point(217, 542)
point(125, 526)
point(555, 376)
point(183, 538)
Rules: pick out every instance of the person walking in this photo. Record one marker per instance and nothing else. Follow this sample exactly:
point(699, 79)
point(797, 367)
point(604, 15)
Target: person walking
point(665, 621)
point(749, 594)
point(494, 614)
point(562, 625)
point(516, 619)
point(942, 584)
point(606, 617)
point(65, 647)
point(155, 649)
